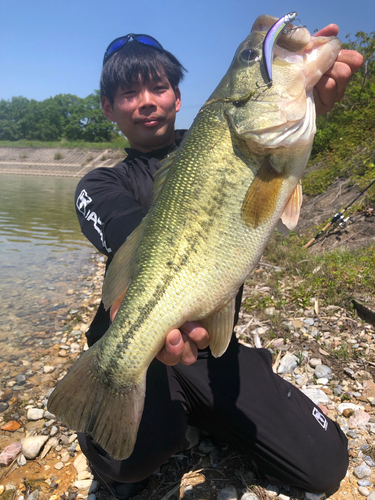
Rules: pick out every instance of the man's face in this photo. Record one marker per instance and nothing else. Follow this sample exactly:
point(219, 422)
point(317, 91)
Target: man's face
point(145, 113)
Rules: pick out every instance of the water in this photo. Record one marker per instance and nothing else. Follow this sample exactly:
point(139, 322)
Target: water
point(43, 257)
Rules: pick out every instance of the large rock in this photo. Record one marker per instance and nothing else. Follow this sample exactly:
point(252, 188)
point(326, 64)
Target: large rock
point(31, 446)
point(35, 414)
point(81, 464)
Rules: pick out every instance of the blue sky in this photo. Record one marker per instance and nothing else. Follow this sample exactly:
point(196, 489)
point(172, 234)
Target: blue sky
point(56, 47)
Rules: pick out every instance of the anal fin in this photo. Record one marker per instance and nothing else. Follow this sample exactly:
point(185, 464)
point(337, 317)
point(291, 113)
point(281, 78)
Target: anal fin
point(292, 209)
point(220, 328)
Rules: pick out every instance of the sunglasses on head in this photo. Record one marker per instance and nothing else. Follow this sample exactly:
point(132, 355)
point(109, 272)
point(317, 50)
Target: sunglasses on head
point(123, 40)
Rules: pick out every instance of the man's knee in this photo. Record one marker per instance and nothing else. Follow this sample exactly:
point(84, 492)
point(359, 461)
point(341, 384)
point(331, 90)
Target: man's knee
point(323, 476)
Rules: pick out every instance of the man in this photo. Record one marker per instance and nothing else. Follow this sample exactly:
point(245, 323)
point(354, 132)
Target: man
point(237, 396)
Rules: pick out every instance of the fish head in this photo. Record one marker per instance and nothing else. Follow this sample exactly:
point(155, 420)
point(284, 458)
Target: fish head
point(282, 112)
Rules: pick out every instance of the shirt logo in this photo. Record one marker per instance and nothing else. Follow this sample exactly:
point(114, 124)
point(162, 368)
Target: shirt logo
point(320, 418)
point(82, 201)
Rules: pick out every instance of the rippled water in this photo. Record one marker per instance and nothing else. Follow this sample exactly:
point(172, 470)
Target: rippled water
point(42, 251)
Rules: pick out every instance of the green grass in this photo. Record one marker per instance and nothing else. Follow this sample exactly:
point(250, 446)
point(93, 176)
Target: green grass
point(117, 144)
point(330, 277)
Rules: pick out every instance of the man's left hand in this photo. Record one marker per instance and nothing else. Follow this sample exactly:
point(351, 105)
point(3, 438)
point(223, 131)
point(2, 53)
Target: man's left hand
point(331, 87)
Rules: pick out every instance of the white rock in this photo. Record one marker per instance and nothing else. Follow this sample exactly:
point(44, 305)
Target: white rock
point(49, 415)
point(288, 364)
point(371, 496)
point(21, 461)
point(249, 495)
point(59, 466)
point(54, 430)
point(72, 438)
point(49, 369)
point(322, 381)
point(228, 493)
point(314, 362)
point(362, 471)
point(85, 474)
point(35, 413)
point(364, 491)
point(31, 446)
point(316, 395)
point(81, 464)
point(283, 497)
point(81, 485)
point(348, 406)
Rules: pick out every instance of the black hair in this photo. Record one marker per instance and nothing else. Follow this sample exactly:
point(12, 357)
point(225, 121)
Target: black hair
point(137, 60)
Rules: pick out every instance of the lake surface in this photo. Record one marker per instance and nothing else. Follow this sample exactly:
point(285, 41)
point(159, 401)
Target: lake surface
point(43, 257)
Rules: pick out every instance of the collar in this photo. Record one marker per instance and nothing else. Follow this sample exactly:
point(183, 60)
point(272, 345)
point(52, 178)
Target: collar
point(161, 153)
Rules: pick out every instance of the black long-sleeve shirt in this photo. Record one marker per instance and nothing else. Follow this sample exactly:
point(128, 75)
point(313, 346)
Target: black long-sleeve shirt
point(111, 203)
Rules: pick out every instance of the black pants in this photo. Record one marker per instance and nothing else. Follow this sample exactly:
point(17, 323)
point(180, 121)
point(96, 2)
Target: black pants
point(238, 398)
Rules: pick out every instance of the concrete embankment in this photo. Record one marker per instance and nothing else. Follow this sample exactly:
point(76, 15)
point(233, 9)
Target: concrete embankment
point(59, 162)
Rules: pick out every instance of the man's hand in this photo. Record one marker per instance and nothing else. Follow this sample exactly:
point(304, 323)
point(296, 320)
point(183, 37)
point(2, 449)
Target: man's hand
point(181, 346)
point(331, 87)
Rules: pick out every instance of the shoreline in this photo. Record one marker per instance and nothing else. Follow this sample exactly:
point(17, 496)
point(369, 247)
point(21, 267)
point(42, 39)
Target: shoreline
point(54, 467)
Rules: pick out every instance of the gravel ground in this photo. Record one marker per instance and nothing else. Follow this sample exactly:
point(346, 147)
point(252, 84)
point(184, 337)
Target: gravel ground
point(41, 460)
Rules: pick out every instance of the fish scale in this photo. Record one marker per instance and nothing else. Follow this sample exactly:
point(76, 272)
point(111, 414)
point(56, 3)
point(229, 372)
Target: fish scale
point(216, 203)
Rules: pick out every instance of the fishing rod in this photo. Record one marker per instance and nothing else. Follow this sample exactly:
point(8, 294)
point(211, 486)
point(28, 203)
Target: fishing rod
point(337, 217)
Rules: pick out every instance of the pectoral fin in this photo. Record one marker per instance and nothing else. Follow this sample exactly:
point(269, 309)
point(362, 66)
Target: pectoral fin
point(261, 197)
point(292, 209)
point(123, 267)
point(220, 328)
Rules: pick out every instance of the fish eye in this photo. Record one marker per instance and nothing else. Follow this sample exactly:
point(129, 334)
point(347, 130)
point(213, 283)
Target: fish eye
point(248, 55)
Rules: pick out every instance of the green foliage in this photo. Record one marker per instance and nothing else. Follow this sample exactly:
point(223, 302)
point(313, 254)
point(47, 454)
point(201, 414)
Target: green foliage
point(331, 277)
point(64, 116)
point(345, 143)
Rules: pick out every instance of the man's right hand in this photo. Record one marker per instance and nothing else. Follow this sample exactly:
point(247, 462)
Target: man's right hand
point(181, 346)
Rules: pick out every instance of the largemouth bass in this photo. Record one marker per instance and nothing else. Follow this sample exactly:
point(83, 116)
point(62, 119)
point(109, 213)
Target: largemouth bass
point(215, 205)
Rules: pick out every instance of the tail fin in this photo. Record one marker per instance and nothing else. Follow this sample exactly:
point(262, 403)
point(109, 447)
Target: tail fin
point(86, 404)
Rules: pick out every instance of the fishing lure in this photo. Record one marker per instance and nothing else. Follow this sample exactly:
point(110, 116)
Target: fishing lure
point(271, 38)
